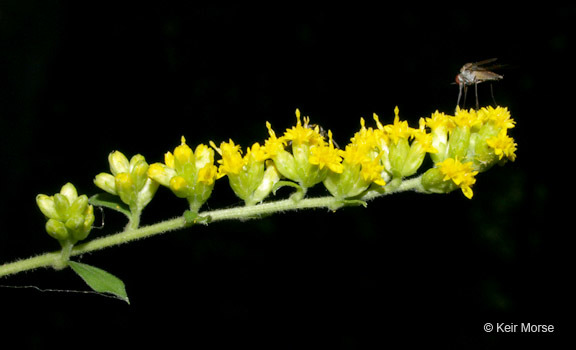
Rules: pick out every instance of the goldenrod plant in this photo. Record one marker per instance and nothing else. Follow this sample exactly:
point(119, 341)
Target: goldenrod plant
point(379, 160)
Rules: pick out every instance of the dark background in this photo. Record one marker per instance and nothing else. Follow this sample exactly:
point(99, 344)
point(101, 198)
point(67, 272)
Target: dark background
point(79, 81)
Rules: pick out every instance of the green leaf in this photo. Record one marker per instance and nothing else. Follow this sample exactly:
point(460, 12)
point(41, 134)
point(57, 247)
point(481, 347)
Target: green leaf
point(100, 280)
point(110, 201)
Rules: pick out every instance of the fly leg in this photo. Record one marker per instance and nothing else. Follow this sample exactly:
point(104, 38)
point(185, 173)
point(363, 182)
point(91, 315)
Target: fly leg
point(459, 96)
point(465, 93)
point(476, 92)
point(492, 94)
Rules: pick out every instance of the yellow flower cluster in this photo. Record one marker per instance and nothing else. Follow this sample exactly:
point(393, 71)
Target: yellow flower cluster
point(189, 174)
point(468, 143)
point(376, 158)
point(251, 176)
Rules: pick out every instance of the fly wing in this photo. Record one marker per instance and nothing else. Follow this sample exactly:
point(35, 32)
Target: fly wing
point(484, 62)
point(482, 65)
point(484, 75)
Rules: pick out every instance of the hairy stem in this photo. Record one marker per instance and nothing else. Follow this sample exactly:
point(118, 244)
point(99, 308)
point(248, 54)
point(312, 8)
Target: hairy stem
point(55, 259)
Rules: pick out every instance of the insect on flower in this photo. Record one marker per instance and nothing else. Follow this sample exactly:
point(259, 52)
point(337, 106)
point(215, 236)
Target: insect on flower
point(474, 74)
point(323, 133)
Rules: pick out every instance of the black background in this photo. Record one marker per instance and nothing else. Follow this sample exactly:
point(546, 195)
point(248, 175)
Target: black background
point(79, 81)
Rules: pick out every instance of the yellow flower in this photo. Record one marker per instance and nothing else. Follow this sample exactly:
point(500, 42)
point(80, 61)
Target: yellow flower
point(256, 153)
point(425, 140)
point(356, 152)
point(361, 164)
point(461, 174)
point(208, 174)
point(440, 121)
point(503, 145)
point(372, 172)
point(232, 161)
point(467, 118)
point(273, 144)
point(308, 158)
point(303, 134)
point(500, 116)
point(326, 155)
point(399, 130)
point(246, 174)
point(189, 174)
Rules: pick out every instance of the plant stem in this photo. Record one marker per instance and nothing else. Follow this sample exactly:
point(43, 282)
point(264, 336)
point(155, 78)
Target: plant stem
point(55, 259)
point(134, 221)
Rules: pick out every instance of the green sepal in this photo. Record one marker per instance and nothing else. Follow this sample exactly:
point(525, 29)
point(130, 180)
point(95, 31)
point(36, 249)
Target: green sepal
point(110, 201)
point(100, 281)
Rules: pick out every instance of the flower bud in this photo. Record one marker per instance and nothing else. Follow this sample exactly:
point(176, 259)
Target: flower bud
point(106, 182)
point(47, 206)
point(270, 178)
point(57, 230)
point(70, 217)
point(118, 163)
point(62, 204)
point(129, 180)
point(433, 181)
point(74, 223)
point(125, 188)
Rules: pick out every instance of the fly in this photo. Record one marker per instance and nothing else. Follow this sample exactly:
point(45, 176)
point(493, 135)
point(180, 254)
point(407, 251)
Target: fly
point(474, 74)
point(322, 133)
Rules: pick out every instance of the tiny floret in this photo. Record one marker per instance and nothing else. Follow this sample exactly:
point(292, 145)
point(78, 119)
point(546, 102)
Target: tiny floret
point(503, 145)
point(460, 173)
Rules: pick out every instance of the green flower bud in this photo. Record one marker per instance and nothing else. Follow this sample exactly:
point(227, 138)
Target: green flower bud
point(74, 223)
point(129, 180)
point(147, 192)
point(125, 188)
point(413, 160)
point(79, 206)
point(118, 163)
point(69, 191)
point(140, 174)
point(47, 206)
point(397, 157)
point(286, 165)
point(82, 231)
point(70, 217)
point(246, 182)
point(270, 178)
point(433, 181)
point(459, 142)
point(57, 230)
point(106, 182)
point(347, 184)
point(61, 203)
